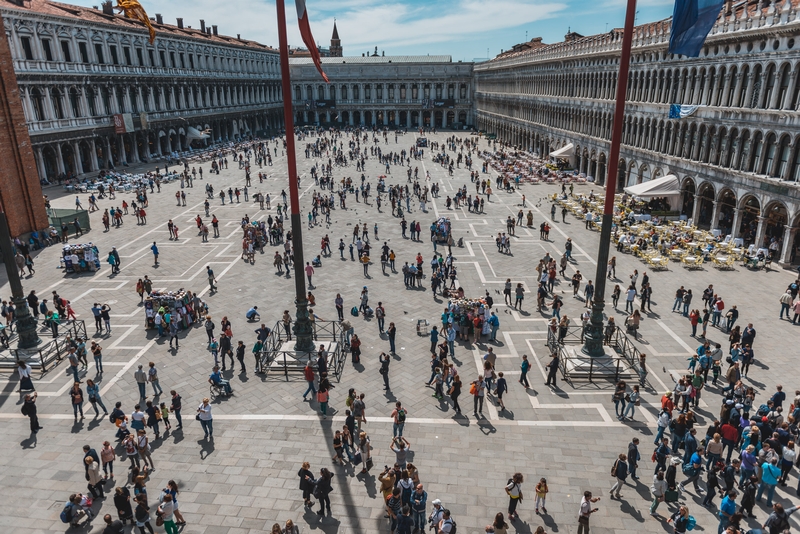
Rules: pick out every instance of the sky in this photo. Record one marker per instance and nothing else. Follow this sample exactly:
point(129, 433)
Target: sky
point(464, 29)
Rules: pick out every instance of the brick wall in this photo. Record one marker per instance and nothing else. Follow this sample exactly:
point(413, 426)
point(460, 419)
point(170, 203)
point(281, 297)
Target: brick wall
point(20, 191)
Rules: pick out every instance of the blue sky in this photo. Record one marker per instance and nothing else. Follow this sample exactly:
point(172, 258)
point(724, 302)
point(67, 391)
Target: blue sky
point(464, 29)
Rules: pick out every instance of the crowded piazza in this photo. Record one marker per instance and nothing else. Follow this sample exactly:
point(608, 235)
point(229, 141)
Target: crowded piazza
point(597, 370)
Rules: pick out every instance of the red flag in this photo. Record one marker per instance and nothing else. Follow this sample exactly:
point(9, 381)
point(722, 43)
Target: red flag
point(308, 39)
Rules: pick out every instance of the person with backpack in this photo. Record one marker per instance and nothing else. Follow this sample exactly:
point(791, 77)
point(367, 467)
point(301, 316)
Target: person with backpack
point(726, 508)
point(446, 523)
point(29, 409)
point(680, 520)
point(778, 520)
point(514, 491)
point(399, 416)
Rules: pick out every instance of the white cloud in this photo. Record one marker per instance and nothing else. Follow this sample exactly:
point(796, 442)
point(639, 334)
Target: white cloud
point(393, 25)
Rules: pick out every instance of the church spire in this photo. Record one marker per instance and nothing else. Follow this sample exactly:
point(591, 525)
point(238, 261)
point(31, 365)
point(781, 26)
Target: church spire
point(336, 44)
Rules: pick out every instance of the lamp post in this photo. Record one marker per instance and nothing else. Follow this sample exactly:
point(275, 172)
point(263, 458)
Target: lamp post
point(303, 329)
point(593, 345)
point(27, 337)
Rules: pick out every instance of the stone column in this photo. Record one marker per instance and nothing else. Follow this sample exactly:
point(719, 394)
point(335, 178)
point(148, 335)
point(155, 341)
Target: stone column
point(787, 101)
point(776, 90)
point(123, 156)
point(737, 222)
point(715, 214)
point(95, 166)
point(749, 84)
point(760, 231)
point(789, 233)
point(40, 163)
point(134, 148)
point(77, 158)
point(107, 150)
point(59, 159)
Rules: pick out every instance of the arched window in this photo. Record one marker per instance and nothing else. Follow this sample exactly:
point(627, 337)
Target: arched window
point(298, 93)
point(121, 100)
point(75, 102)
point(745, 77)
point(794, 175)
point(344, 92)
point(783, 89)
point(309, 93)
point(731, 86)
point(744, 158)
point(769, 156)
point(733, 153)
point(332, 90)
point(723, 146)
point(90, 99)
point(758, 146)
point(38, 104)
point(58, 108)
point(769, 87)
point(784, 152)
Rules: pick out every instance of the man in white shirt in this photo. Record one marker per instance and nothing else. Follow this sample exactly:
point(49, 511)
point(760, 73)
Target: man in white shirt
point(586, 510)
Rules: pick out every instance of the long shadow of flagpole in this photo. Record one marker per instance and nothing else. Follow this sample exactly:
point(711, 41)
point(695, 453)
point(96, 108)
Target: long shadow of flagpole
point(302, 326)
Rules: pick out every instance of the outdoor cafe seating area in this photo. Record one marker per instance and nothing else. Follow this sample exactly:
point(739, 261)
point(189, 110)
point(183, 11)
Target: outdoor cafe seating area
point(522, 167)
point(659, 242)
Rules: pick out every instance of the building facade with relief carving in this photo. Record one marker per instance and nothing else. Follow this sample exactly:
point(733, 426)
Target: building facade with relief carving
point(383, 91)
point(94, 89)
point(737, 155)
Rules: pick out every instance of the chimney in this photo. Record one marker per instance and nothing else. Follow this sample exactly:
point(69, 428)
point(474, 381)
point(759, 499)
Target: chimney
point(180, 23)
point(159, 19)
point(383, 53)
point(214, 29)
point(239, 36)
point(203, 26)
point(108, 8)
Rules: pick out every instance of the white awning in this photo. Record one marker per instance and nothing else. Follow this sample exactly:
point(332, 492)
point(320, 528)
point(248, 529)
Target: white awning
point(668, 186)
point(194, 133)
point(566, 151)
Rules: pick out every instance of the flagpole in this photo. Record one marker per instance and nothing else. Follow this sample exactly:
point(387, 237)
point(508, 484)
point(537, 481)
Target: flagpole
point(303, 329)
point(593, 345)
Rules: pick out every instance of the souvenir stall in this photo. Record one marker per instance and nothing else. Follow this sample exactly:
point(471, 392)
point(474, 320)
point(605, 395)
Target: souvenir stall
point(178, 303)
point(80, 258)
point(443, 230)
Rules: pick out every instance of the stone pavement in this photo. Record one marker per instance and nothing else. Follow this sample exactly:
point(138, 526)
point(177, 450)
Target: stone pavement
point(245, 480)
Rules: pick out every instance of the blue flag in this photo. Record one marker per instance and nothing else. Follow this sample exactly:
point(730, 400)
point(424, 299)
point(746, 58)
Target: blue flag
point(691, 22)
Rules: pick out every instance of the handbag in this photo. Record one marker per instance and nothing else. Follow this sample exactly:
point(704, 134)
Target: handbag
point(357, 458)
point(671, 496)
point(159, 518)
point(369, 463)
point(197, 417)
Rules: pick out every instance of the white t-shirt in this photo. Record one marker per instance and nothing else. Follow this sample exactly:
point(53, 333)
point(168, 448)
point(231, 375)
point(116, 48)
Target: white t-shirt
point(447, 525)
point(513, 489)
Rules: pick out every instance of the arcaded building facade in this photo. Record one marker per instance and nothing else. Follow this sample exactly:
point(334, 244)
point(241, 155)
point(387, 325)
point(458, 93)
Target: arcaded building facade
point(383, 91)
point(738, 155)
point(94, 90)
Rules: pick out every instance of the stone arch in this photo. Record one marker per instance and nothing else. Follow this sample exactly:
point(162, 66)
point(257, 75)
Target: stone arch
point(750, 206)
point(776, 217)
point(703, 208)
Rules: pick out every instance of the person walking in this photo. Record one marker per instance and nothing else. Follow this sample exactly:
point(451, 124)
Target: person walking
point(143, 446)
point(154, 249)
point(659, 490)
point(679, 520)
point(384, 361)
point(152, 377)
point(76, 396)
point(478, 392)
point(205, 418)
point(552, 369)
point(454, 392)
point(525, 366)
point(93, 390)
point(24, 370)
point(514, 492)
point(29, 410)
point(620, 472)
point(175, 407)
point(167, 511)
point(141, 380)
